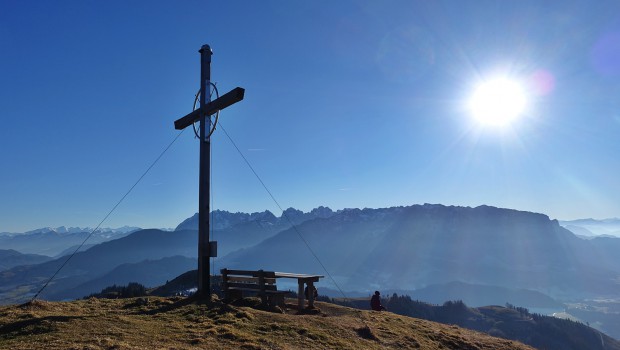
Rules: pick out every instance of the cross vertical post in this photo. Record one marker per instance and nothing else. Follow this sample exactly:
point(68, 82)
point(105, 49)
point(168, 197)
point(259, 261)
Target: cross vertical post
point(203, 114)
point(204, 274)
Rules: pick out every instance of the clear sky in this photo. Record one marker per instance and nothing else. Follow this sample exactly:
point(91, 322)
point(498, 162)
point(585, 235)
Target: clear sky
point(348, 104)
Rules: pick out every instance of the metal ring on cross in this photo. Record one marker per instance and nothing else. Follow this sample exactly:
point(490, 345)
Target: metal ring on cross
point(196, 106)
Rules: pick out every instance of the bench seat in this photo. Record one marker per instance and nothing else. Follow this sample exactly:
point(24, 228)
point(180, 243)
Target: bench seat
point(236, 282)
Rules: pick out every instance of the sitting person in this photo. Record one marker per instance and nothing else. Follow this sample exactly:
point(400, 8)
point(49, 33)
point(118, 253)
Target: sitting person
point(375, 302)
point(315, 293)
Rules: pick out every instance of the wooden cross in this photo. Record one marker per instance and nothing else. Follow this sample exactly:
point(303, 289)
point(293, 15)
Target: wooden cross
point(207, 108)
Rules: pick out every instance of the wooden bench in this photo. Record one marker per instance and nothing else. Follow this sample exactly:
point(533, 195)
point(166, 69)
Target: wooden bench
point(262, 283)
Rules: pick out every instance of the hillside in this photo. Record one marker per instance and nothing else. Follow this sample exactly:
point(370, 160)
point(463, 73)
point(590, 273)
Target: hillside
point(18, 283)
point(149, 272)
point(10, 258)
point(180, 323)
point(510, 322)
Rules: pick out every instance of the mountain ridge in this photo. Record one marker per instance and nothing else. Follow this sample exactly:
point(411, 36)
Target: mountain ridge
point(594, 228)
point(221, 219)
point(10, 258)
point(50, 242)
point(473, 245)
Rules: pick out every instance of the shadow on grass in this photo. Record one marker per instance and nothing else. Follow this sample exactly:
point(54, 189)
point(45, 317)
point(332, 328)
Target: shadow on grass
point(168, 307)
point(33, 326)
point(145, 306)
point(306, 311)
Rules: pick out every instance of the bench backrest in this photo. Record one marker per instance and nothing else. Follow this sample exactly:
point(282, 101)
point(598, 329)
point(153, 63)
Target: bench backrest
point(259, 280)
point(270, 274)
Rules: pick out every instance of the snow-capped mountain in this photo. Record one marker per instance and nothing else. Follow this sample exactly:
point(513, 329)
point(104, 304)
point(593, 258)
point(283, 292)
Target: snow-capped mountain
point(53, 241)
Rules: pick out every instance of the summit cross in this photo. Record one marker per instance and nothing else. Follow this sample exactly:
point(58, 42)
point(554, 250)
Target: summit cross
point(203, 114)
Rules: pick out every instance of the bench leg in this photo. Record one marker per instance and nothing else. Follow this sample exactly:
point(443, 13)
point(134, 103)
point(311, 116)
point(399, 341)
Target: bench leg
point(300, 296)
point(310, 295)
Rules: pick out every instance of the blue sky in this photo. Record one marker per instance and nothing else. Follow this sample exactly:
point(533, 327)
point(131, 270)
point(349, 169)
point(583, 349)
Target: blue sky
point(348, 104)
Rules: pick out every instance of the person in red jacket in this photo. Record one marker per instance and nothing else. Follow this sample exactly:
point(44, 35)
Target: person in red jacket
point(375, 302)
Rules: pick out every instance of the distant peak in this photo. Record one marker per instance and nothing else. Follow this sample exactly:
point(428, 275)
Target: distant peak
point(63, 230)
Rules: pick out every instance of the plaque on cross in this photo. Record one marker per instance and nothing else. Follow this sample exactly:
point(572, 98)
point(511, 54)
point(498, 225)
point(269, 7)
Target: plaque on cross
point(203, 114)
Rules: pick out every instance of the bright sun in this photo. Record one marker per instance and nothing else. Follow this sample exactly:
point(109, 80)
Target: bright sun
point(498, 102)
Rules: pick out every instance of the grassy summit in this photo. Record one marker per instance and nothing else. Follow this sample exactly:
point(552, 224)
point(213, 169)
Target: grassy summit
point(182, 323)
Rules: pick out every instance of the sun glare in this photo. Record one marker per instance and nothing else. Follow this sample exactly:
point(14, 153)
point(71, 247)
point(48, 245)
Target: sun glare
point(498, 102)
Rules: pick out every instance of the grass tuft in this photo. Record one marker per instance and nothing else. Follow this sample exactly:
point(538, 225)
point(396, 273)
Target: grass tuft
point(366, 333)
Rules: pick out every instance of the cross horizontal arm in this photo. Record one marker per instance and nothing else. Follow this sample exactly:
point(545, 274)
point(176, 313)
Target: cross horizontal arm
point(233, 96)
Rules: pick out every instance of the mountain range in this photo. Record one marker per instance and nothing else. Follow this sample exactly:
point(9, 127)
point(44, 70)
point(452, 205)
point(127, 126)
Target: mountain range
point(96, 262)
point(61, 230)
point(90, 270)
point(498, 255)
point(221, 219)
point(399, 248)
point(421, 245)
point(57, 241)
point(234, 231)
point(588, 228)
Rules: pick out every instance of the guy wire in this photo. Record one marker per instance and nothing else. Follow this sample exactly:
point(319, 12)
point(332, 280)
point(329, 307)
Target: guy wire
point(360, 315)
point(284, 213)
point(106, 217)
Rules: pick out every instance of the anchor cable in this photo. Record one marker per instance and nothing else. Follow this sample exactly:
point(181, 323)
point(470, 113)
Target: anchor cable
point(360, 315)
point(107, 215)
point(284, 213)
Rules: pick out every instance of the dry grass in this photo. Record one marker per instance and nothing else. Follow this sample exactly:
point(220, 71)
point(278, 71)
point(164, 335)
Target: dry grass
point(179, 323)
